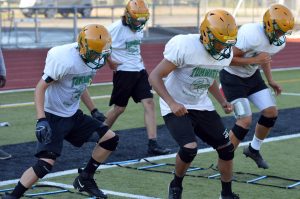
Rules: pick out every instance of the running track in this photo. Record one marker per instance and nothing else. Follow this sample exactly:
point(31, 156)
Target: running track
point(25, 66)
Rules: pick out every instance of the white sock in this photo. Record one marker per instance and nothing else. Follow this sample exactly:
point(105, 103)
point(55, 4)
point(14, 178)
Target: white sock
point(256, 143)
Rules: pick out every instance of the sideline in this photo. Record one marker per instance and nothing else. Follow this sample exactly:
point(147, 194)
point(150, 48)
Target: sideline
point(14, 105)
point(281, 68)
point(205, 150)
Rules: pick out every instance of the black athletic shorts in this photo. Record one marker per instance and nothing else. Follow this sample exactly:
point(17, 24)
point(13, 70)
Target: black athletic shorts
point(207, 125)
point(235, 87)
point(76, 130)
point(128, 84)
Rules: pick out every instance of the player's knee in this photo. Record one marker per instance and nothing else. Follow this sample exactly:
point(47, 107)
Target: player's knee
point(119, 110)
point(270, 112)
point(226, 153)
point(42, 168)
point(239, 132)
point(267, 121)
point(187, 155)
point(110, 144)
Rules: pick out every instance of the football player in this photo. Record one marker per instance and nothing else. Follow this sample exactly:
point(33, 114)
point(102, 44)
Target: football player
point(242, 81)
point(130, 78)
point(191, 65)
point(69, 69)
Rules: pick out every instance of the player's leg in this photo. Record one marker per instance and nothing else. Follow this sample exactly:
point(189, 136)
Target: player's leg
point(123, 83)
point(236, 91)
point(265, 102)
point(142, 93)
point(84, 127)
point(47, 154)
point(209, 127)
point(182, 131)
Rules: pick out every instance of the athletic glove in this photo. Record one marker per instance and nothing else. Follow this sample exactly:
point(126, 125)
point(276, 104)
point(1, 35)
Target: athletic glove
point(98, 115)
point(43, 131)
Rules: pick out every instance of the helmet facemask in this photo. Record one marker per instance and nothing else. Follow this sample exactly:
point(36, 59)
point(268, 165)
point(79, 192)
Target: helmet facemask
point(277, 37)
point(215, 53)
point(136, 24)
point(95, 60)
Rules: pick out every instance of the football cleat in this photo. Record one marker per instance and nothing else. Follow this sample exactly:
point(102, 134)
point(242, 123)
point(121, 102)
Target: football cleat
point(232, 196)
point(174, 192)
point(88, 185)
point(258, 159)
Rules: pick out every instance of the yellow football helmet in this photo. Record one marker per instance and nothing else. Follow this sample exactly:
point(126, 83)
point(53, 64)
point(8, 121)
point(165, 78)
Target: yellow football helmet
point(278, 22)
point(136, 14)
point(94, 43)
point(218, 28)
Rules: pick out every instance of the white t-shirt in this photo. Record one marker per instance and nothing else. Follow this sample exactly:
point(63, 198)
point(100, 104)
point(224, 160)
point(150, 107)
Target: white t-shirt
point(196, 71)
point(252, 40)
point(71, 75)
point(126, 47)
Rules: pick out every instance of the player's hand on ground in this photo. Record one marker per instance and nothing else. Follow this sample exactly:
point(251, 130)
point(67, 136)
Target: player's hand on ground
point(43, 131)
point(227, 107)
point(263, 58)
point(276, 87)
point(178, 109)
point(98, 115)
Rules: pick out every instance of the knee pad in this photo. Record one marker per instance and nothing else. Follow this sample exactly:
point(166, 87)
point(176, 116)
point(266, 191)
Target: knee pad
point(47, 155)
point(42, 168)
point(187, 155)
point(241, 108)
point(267, 121)
point(110, 144)
point(226, 153)
point(239, 132)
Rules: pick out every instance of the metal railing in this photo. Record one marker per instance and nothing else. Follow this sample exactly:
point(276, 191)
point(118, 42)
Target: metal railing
point(19, 31)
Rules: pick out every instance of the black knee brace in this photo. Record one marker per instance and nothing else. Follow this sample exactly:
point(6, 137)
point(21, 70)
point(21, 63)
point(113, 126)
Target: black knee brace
point(110, 144)
point(226, 153)
point(239, 132)
point(267, 121)
point(42, 168)
point(187, 155)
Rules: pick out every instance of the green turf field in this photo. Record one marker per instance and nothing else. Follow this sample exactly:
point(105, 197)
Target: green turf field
point(285, 163)
point(22, 117)
point(152, 184)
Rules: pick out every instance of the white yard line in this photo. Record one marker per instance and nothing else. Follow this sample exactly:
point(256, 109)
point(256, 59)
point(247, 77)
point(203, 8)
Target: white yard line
point(74, 171)
point(110, 83)
point(126, 195)
point(14, 105)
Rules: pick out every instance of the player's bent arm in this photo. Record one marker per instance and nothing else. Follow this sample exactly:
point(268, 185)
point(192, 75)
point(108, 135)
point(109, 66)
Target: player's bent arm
point(112, 64)
point(239, 60)
point(156, 79)
point(267, 71)
point(39, 98)
point(215, 91)
point(87, 100)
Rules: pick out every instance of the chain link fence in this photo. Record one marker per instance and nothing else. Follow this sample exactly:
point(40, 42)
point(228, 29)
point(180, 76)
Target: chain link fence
point(42, 30)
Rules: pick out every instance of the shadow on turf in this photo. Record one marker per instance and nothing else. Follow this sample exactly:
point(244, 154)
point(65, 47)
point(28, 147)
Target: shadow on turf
point(133, 145)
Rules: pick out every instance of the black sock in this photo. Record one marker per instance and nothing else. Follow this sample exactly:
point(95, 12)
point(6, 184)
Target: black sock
point(91, 166)
point(252, 150)
point(177, 181)
point(226, 188)
point(19, 190)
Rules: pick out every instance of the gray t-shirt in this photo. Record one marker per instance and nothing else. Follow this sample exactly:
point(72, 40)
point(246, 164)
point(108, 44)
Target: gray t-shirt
point(71, 77)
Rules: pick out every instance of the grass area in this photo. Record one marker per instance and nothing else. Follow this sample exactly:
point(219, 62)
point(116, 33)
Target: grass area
point(22, 118)
point(153, 184)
